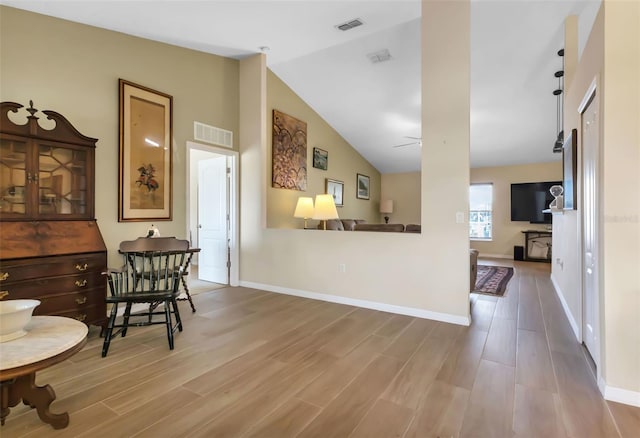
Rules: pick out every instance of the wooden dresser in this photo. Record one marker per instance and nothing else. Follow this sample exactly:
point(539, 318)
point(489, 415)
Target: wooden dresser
point(51, 248)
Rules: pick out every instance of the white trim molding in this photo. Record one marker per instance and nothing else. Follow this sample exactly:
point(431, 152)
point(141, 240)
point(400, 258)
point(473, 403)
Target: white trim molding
point(374, 305)
point(620, 395)
point(234, 201)
point(565, 307)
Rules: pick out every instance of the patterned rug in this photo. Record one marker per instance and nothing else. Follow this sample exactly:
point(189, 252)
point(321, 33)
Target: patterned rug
point(492, 280)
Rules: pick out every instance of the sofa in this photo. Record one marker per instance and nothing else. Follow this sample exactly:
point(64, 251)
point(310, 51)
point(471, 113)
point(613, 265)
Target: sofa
point(394, 228)
point(341, 224)
point(362, 225)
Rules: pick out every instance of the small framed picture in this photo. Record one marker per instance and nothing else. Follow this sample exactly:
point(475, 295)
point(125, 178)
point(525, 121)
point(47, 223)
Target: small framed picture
point(362, 187)
point(320, 158)
point(336, 188)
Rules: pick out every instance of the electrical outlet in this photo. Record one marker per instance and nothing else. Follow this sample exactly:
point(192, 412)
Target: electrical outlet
point(460, 217)
point(342, 268)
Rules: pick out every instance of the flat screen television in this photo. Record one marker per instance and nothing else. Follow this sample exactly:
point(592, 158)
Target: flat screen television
point(529, 199)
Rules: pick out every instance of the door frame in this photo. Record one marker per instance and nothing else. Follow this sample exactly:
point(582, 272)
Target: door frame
point(584, 104)
point(234, 271)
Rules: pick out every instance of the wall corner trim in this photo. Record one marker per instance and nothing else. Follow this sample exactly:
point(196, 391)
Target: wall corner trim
point(374, 305)
point(565, 307)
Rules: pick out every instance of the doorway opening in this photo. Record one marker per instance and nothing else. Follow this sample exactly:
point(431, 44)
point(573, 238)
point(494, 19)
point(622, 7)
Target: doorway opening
point(212, 212)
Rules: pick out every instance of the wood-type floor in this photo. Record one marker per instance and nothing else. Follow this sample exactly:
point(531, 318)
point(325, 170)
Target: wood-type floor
point(256, 364)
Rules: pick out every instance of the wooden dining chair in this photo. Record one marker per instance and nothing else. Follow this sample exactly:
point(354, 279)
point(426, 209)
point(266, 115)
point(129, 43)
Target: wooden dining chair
point(150, 275)
point(185, 274)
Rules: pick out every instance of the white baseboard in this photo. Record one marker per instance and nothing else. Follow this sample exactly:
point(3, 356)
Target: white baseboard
point(620, 395)
point(495, 256)
point(409, 311)
point(565, 307)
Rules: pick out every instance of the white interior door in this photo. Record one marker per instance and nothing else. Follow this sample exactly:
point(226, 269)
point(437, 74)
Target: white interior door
point(213, 225)
point(590, 140)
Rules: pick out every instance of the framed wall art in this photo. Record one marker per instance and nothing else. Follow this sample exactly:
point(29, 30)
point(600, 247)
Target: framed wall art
point(320, 158)
point(145, 175)
point(289, 152)
point(362, 187)
point(336, 189)
point(569, 170)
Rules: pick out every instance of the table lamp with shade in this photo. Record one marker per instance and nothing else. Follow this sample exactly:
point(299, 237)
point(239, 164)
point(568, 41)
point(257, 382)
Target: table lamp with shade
point(325, 209)
point(304, 209)
point(386, 208)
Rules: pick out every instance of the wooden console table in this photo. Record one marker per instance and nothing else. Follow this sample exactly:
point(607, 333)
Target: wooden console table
point(533, 240)
point(49, 340)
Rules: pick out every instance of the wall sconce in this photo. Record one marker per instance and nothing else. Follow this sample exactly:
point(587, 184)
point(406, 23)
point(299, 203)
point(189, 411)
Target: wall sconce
point(325, 209)
point(304, 209)
point(386, 208)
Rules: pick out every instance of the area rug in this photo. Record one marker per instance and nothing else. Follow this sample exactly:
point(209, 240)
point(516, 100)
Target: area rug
point(492, 280)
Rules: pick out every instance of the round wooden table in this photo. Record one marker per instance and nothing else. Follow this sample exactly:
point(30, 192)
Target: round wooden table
point(49, 340)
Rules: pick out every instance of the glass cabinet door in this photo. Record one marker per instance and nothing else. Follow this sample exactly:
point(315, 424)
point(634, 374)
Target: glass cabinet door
point(13, 178)
point(62, 181)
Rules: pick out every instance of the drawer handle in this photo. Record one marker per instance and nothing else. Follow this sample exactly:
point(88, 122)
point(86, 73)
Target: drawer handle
point(81, 300)
point(82, 283)
point(80, 267)
point(80, 317)
point(4, 276)
point(4, 293)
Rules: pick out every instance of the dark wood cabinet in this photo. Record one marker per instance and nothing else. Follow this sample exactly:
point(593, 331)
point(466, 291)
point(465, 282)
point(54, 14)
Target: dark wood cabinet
point(51, 248)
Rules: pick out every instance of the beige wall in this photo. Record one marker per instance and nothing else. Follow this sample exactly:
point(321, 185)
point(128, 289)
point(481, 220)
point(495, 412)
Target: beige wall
point(404, 190)
point(399, 272)
point(74, 69)
point(507, 234)
point(612, 59)
point(344, 163)
point(621, 194)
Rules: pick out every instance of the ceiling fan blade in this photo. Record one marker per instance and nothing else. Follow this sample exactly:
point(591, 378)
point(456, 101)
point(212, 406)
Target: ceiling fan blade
point(406, 144)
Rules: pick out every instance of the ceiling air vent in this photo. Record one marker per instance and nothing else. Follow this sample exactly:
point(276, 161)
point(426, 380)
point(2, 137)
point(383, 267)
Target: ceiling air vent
point(213, 135)
point(379, 56)
point(350, 24)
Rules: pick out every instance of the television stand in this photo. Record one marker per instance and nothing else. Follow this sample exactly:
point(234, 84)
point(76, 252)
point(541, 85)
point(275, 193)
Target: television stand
point(537, 246)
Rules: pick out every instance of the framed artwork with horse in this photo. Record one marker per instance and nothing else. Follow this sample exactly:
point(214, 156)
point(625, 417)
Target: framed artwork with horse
point(145, 154)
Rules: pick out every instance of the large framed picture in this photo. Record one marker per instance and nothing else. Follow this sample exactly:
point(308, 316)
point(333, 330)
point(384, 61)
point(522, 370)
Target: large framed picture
point(289, 152)
point(336, 189)
point(145, 175)
point(569, 170)
point(362, 186)
point(320, 158)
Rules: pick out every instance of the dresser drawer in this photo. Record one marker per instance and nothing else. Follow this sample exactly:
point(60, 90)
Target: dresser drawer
point(53, 304)
point(46, 286)
point(19, 270)
point(88, 315)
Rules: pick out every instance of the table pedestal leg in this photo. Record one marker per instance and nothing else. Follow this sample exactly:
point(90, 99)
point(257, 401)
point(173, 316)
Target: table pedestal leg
point(39, 397)
point(4, 400)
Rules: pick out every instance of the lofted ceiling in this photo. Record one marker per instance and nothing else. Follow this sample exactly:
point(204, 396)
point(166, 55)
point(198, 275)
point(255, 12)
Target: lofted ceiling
point(374, 106)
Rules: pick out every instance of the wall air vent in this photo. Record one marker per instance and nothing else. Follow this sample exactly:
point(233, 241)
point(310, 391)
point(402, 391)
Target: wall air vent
point(350, 24)
point(213, 135)
point(379, 56)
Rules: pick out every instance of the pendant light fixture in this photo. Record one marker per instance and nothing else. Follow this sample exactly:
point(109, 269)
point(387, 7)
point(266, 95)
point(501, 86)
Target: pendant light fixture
point(557, 146)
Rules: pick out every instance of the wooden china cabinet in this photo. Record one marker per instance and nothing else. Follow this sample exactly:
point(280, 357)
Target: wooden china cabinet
point(50, 246)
